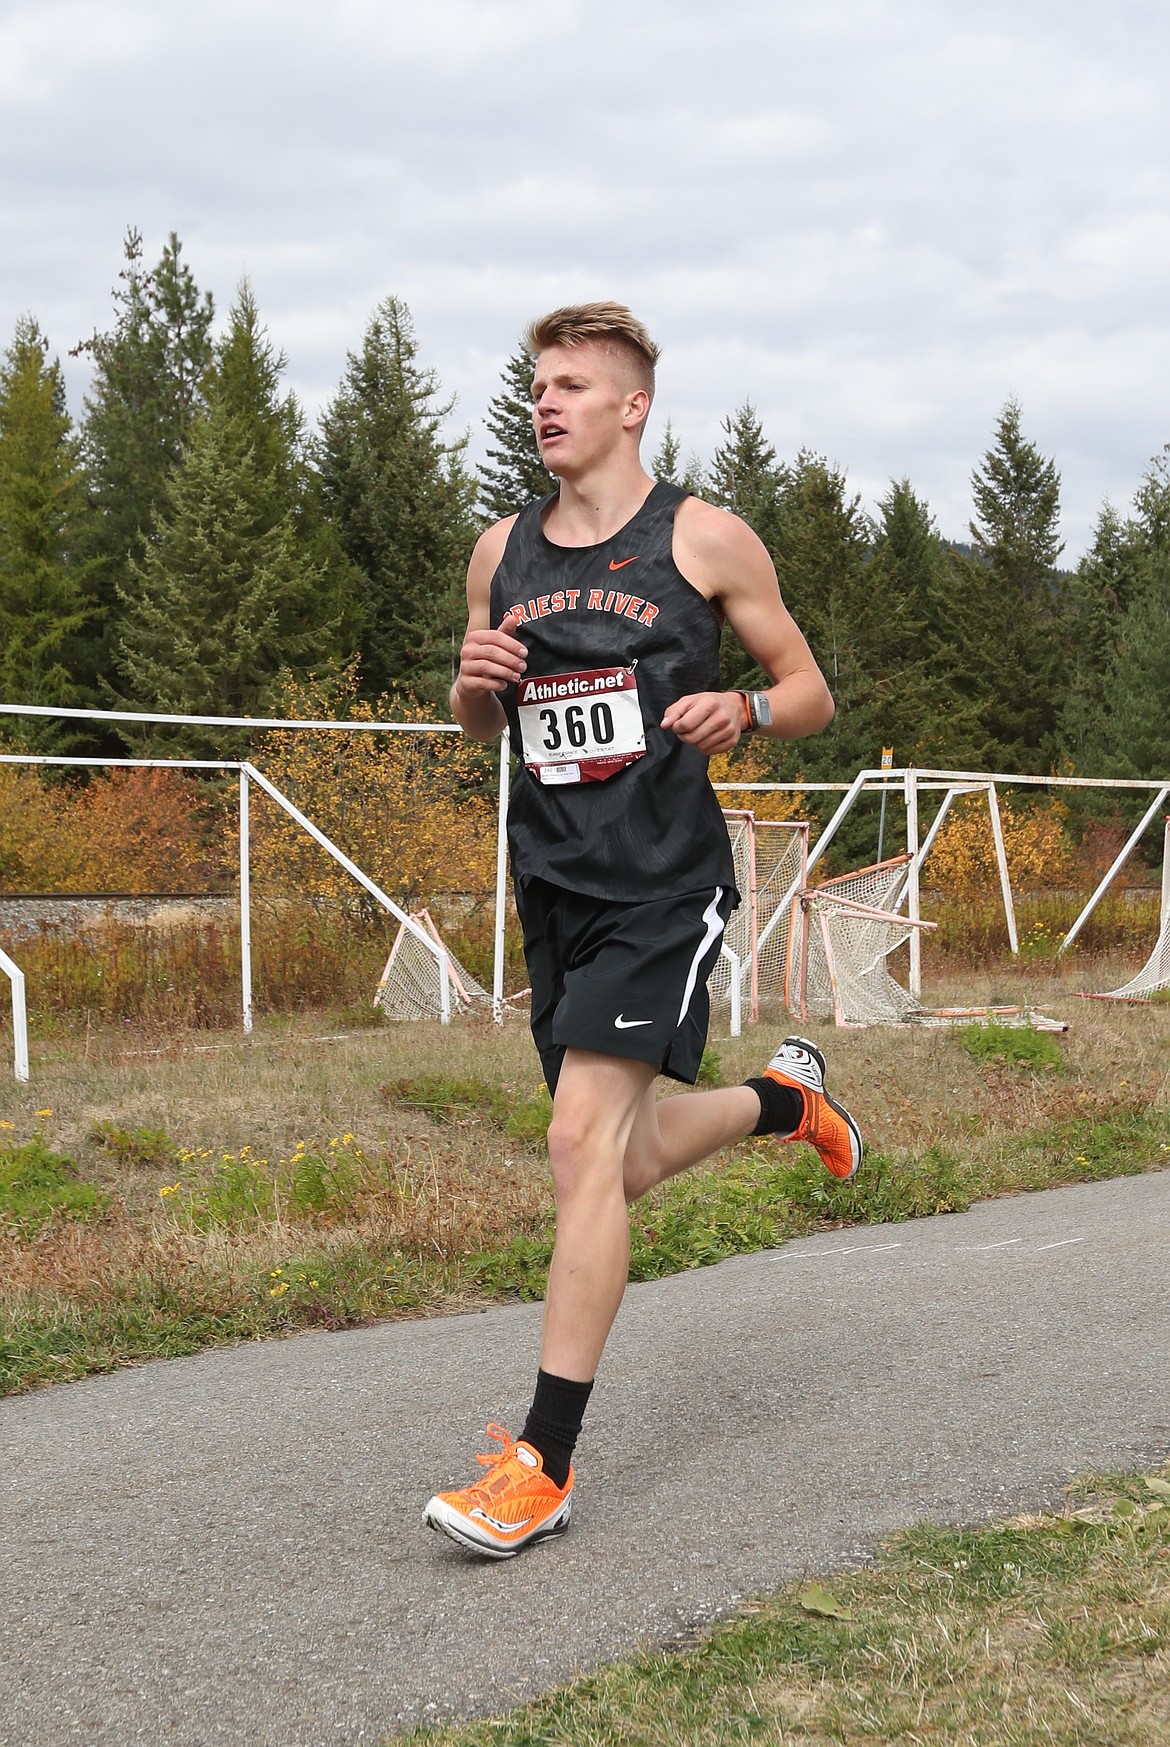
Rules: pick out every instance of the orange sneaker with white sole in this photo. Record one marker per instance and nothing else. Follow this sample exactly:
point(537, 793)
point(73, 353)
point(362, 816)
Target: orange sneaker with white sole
point(826, 1125)
point(513, 1505)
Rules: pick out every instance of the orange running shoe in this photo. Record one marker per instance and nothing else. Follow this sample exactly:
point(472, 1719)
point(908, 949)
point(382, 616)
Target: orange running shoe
point(826, 1125)
point(513, 1505)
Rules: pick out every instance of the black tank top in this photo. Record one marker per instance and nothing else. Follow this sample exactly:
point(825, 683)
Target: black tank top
point(653, 829)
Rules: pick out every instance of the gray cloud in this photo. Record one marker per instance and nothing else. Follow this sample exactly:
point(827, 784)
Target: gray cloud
point(873, 218)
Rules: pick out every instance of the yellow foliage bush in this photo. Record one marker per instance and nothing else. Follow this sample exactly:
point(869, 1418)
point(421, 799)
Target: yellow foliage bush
point(417, 812)
point(749, 762)
point(1040, 853)
point(122, 831)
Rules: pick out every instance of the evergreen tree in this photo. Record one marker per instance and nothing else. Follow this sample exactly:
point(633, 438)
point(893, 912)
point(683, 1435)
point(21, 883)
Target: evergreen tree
point(519, 475)
point(139, 411)
point(42, 510)
point(226, 595)
point(903, 682)
point(403, 504)
point(1151, 523)
point(1017, 508)
point(1125, 627)
point(744, 476)
point(665, 464)
point(1133, 738)
point(1108, 578)
point(820, 548)
point(1016, 541)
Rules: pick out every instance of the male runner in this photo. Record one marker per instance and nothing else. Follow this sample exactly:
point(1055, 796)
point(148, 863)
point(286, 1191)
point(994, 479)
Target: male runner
point(593, 634)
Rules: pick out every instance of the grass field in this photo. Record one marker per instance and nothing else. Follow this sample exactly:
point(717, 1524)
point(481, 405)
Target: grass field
point(1043, 1631)
point(165, 1191)
point(161, 1193)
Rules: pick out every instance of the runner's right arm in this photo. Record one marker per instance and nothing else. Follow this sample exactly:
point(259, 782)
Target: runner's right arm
point(489, 660)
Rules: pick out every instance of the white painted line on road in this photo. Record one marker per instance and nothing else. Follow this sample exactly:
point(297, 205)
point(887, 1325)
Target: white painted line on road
point(849, 1250)
point(1063, 1244)
point(1005, 1245)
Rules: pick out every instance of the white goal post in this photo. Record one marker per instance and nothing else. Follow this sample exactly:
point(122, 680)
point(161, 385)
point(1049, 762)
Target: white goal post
point(755, 961)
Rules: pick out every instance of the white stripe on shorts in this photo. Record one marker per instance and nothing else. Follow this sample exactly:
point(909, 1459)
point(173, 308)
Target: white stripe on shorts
point(714, 924)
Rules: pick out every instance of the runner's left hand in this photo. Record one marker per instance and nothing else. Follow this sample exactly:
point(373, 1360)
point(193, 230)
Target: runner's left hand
point(712, 721)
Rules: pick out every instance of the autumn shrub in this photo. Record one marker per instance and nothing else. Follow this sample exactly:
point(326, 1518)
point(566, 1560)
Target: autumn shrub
point(753, 762)
point(304, 958)
point(1040, 853)
point(417, 812)
point(127, 831)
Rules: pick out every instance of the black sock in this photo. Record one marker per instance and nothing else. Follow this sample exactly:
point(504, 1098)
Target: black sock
point(781, 1107)
point(554, 1420)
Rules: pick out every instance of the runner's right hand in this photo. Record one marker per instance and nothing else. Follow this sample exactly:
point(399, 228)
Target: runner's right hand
point(490, 660)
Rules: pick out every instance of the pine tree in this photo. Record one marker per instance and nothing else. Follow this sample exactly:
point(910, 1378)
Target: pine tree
point(403, 506)
point(1110, 575)
point(1017, 509)
point(142, 401)
point(1126, 627)
point(42, 510)
point(744, 476)
point(903, 639)
point(665, 464)
point(226, 595)
point(1151, 522)
point(1016, 540)
point(1133, 739)
point(519, 475)
point(820, 545)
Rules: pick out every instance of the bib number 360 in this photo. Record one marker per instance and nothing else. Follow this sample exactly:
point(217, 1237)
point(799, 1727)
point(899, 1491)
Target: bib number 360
point(580, 727)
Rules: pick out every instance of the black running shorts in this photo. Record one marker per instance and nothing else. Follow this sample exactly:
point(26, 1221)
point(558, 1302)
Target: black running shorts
point(621, 979)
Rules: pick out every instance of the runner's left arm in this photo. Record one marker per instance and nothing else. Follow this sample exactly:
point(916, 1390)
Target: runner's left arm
point(721, 556)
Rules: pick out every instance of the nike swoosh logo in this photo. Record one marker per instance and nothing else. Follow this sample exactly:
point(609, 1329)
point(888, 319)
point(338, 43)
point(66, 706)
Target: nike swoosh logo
point(621, 1023)
point(495, 1523)
point(620, 563)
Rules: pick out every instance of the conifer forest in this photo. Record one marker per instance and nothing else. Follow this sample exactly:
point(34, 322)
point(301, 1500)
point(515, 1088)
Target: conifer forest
point(188, 544)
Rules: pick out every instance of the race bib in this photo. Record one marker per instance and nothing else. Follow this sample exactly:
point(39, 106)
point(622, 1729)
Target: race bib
point(580, 727)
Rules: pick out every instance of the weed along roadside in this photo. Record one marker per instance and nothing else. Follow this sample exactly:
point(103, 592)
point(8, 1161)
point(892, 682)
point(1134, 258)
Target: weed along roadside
point(202, 1191)
point(1039, 1630)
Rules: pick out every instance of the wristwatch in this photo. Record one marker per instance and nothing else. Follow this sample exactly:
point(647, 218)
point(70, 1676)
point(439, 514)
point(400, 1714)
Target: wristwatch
point(757, 709)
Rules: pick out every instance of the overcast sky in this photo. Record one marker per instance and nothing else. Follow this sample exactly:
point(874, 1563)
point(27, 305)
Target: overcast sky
point(875, 219)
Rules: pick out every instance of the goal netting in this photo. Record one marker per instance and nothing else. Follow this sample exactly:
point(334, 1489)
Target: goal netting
point(1155, 973)
point(850, 926)
point(770, 857)
point(411, 986)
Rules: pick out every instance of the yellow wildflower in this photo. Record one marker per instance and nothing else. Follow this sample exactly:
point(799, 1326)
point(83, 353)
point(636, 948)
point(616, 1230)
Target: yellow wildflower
point(49, 1112)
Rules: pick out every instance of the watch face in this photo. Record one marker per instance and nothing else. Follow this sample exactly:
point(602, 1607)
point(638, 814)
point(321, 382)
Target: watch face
point(763, 709)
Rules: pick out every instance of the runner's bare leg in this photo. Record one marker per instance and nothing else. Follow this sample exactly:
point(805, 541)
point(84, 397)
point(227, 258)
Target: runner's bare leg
point(608, 1144)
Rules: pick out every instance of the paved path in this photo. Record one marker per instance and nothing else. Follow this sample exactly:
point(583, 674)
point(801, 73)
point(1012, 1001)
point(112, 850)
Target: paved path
point(227, 1549)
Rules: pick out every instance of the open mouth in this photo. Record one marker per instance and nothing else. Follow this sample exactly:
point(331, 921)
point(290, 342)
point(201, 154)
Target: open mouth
point(549, 432)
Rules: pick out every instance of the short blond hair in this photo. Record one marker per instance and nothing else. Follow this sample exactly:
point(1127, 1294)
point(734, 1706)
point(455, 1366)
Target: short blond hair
point(609, 325)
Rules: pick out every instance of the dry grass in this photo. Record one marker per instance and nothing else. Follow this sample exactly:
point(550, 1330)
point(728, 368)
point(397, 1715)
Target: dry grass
point(1046, 1631)
point(435, 1210)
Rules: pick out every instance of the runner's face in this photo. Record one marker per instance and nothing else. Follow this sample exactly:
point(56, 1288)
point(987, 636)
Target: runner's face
point(581, 407)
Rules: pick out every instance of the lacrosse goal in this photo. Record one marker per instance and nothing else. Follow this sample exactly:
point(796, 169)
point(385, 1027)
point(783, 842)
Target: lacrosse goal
point(1155, 973)
point(849, 927)
point(412, 984)
point(770, 858)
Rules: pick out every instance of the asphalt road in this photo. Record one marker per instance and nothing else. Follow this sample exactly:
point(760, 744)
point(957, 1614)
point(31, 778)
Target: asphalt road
point(228, 1548)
